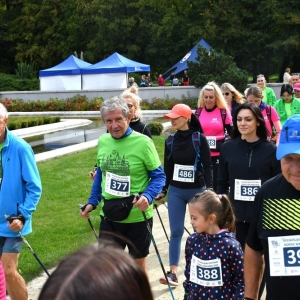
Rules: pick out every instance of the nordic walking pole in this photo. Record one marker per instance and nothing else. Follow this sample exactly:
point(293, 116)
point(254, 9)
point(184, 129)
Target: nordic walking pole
point(184, 226)
point(10, 219)
point(137, 196)
point(29, 247)
point(161, 222)
point(89, 220)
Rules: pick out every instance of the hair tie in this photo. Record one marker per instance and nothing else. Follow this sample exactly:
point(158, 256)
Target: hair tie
point(220, 196)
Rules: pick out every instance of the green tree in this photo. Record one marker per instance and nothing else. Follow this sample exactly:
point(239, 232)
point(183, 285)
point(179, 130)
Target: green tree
point(218, 67)
point(45, 31)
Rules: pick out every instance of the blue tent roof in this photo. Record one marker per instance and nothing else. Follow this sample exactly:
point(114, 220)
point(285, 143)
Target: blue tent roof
point(116, 63)
point(71, 66)
point(190, 56)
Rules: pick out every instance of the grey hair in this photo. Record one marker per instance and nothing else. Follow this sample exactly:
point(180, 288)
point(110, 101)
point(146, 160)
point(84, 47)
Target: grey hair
point(112, 104)
point(3, 111)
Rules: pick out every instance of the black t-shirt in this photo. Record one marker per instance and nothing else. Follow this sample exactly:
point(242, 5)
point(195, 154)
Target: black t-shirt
point(276, 214)
point(185, 78)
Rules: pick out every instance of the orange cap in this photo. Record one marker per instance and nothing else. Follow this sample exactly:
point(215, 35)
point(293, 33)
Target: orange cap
point(179, 110)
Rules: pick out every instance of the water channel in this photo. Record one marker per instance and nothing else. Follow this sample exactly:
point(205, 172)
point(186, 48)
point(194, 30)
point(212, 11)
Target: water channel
point(67, 137)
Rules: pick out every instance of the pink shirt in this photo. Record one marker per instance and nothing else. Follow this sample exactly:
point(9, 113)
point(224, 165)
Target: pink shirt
point(212, 124)
point(274, 118)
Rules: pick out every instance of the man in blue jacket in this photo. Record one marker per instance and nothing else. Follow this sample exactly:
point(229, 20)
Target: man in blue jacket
point(20, 191)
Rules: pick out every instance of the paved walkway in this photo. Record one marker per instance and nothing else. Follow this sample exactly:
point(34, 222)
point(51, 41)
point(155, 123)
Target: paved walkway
point(160, 292)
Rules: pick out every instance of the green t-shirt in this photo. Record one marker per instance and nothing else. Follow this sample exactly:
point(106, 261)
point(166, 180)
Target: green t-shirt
point(131, 158)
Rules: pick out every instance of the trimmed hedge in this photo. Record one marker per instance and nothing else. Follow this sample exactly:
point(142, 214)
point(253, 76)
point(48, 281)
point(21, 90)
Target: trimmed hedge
point(24, 122)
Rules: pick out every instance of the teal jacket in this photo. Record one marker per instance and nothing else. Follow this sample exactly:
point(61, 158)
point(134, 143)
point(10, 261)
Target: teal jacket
point(21, 186)
point(280, 108)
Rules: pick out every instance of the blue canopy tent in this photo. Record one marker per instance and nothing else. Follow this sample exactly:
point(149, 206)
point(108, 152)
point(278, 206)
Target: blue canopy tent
point(111, 72)
point(64, 76)
point(190, 56)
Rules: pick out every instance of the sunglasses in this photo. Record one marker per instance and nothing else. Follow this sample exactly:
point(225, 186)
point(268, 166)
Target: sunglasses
point(226, 94)
point(209, 97)
point(130, 105)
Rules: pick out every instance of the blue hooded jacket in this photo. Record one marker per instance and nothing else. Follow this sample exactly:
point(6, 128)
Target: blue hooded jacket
point(21, 187)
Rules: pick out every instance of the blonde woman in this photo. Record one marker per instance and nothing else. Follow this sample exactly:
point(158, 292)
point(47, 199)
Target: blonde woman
point(232, 96)
point(215, 120)
point(133, 101)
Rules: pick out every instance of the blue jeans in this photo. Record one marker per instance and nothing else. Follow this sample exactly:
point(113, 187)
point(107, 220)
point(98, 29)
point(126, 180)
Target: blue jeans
point(177, 201)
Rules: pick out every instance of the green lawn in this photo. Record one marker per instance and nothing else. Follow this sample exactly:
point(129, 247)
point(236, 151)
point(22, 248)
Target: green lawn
point(58, 228)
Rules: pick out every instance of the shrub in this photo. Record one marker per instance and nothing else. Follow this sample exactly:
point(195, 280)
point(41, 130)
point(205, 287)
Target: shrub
point(15, 83)
point(145, 105)
point(155, 128)
point(27, 70)
point(218, 67)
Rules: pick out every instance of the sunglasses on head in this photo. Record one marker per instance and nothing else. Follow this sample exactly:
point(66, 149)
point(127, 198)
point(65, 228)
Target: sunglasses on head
point(130, 105)
point(226, 94)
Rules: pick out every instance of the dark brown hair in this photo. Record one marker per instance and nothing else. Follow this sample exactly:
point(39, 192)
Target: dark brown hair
point(218, 205)
point(102, 271)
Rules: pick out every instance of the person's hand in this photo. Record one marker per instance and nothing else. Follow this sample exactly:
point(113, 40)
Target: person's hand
point(141, 203)
point(93, 173)
point(85, 210)
point(16, 225)
point(159, 199)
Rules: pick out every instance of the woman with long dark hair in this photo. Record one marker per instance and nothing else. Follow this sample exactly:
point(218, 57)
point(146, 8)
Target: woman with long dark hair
point(246, 162)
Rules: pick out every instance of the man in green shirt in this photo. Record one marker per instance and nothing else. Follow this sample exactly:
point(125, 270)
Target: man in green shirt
point(127, 164)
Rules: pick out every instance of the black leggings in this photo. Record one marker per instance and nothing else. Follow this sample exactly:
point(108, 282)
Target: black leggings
point(215, 164)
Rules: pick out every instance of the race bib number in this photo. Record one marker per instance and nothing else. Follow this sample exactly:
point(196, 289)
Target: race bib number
point(246, 190)
point(212, 142)
point(117, 185)
point(206, 272)
point(284, 255)
point(183, 173)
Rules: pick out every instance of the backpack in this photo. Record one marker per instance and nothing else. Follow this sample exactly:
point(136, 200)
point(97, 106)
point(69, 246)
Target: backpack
point(268, 111)
point(222, 111)
point(175, 81)
point(196, 144)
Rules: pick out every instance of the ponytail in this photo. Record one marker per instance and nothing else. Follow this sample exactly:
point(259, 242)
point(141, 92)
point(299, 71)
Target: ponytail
point(219, 205)
point(227, 219)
